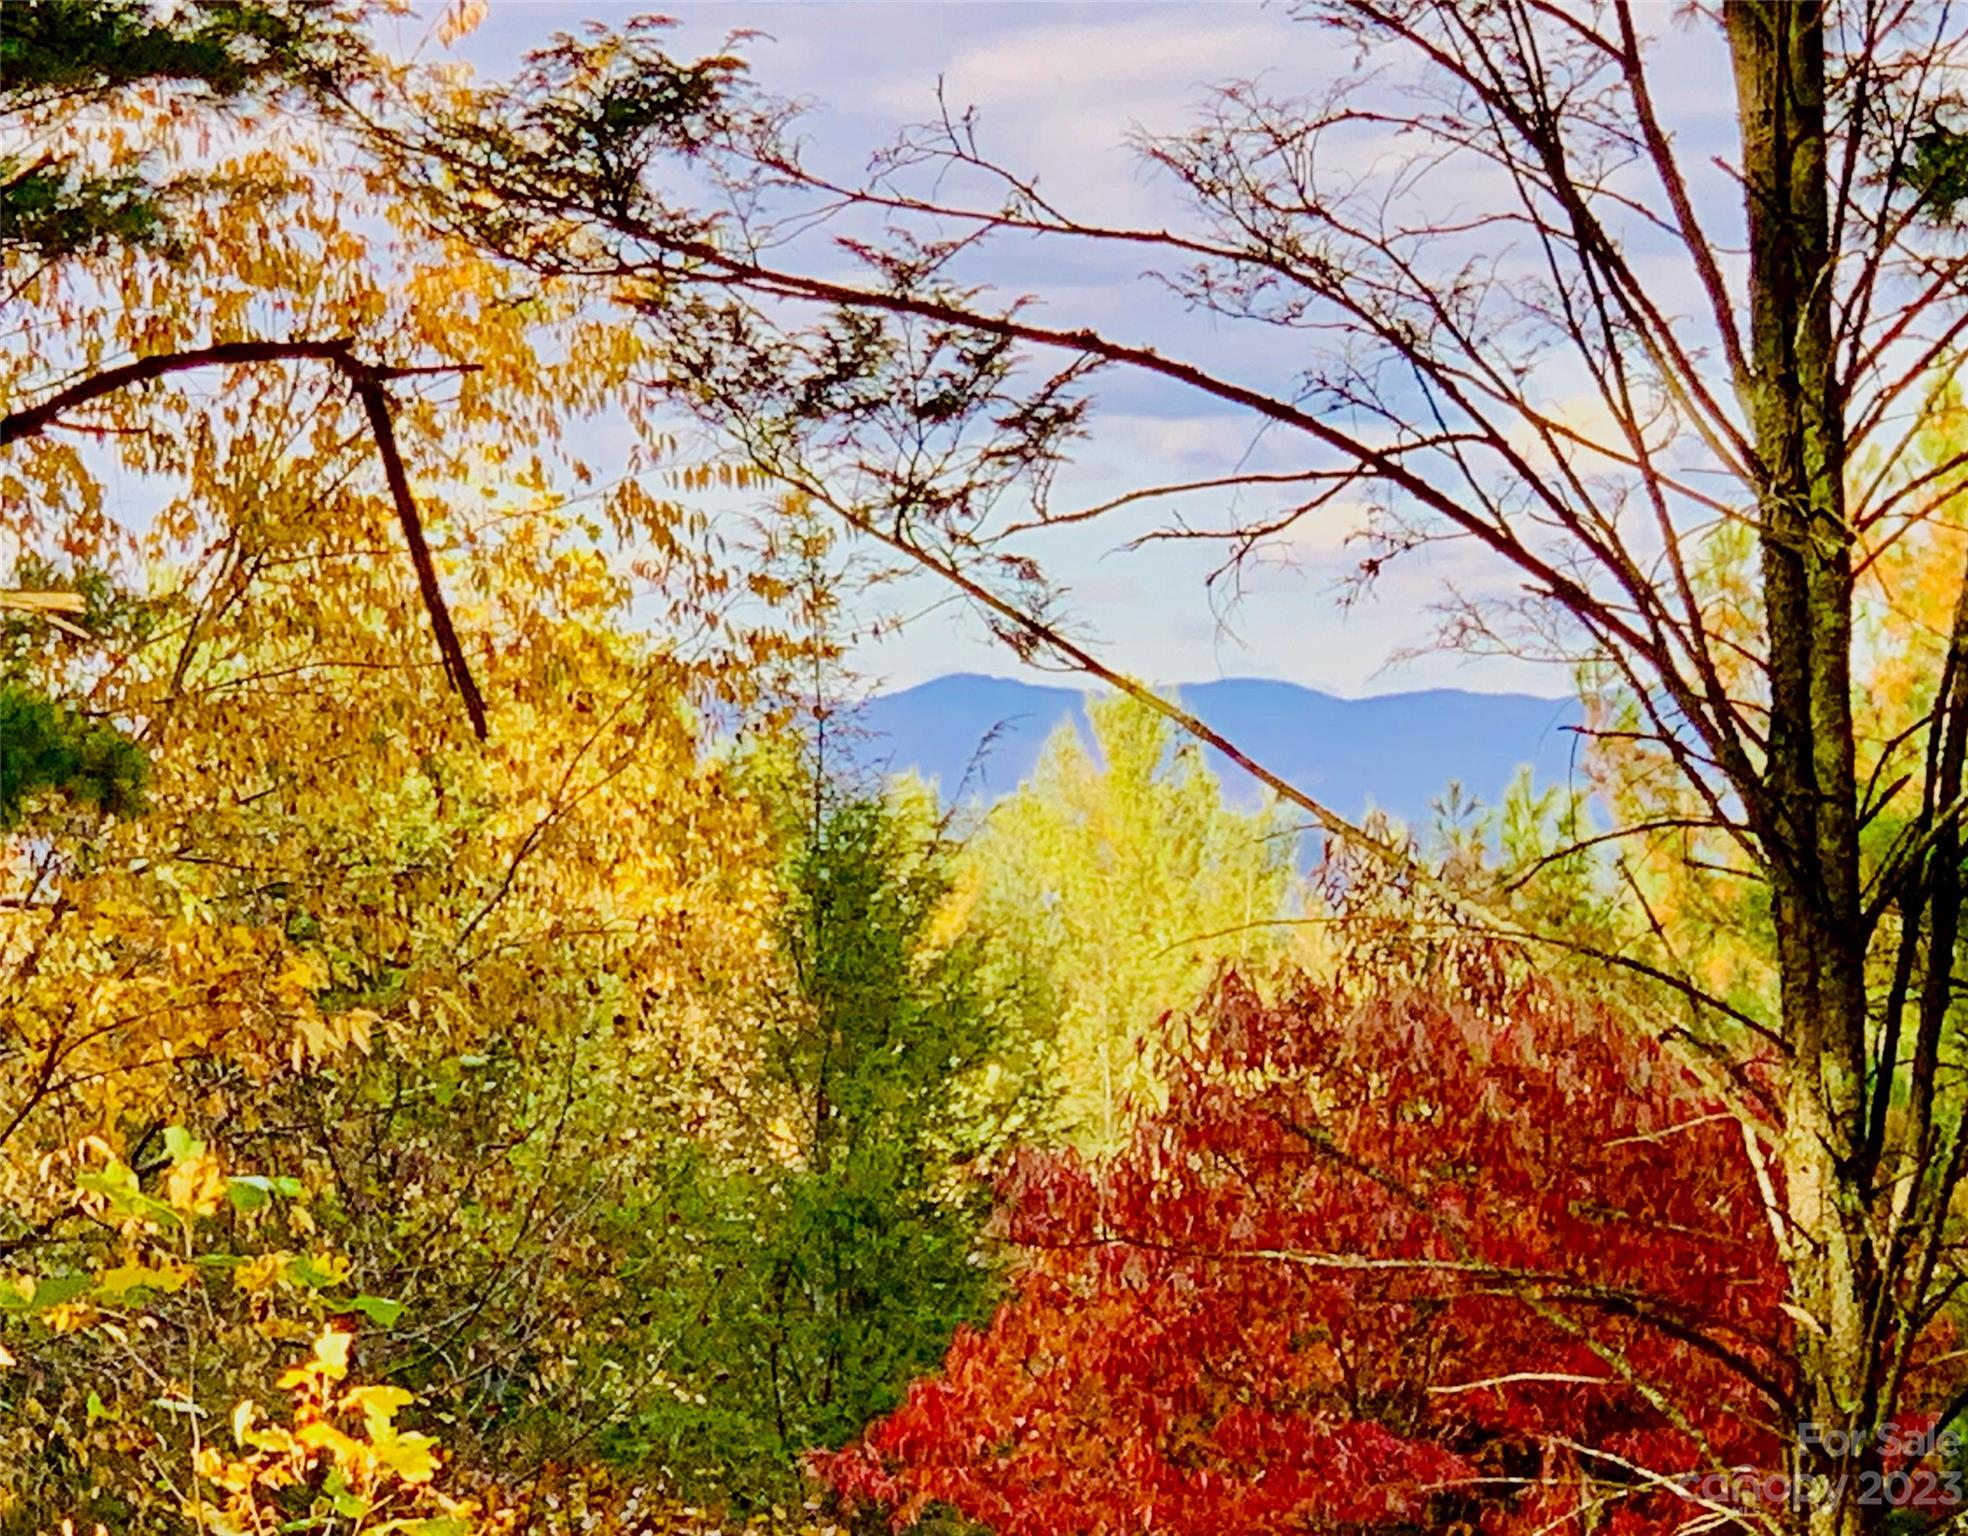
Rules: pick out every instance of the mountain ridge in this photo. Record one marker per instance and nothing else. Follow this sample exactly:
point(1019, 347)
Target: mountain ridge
point(1397, 752)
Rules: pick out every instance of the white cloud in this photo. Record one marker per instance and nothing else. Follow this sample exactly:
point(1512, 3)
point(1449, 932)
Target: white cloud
point(1058, 88)
point(1164, 54)
point(1062, 96)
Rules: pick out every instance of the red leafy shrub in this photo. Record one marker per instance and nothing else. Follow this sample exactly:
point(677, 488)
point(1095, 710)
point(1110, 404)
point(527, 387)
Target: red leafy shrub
point(1415, 1264)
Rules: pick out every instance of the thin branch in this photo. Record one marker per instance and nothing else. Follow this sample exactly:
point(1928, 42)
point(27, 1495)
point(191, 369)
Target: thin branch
point(367, 380)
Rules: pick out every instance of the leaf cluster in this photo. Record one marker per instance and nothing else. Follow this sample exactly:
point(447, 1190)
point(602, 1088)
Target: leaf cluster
point(74, 53)
point(1418, 1262)
point(46, 746)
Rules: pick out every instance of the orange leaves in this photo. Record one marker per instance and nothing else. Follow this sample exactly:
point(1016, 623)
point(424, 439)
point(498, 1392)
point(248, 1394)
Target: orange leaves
point(728, 476)
point(460, 19)
point(1372, 1265)
point(319, 832)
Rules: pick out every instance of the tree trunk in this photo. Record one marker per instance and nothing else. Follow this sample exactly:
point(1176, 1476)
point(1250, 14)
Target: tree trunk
point(1794, 401)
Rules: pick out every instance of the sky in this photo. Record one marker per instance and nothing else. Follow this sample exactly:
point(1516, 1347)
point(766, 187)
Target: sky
point(1058, 87)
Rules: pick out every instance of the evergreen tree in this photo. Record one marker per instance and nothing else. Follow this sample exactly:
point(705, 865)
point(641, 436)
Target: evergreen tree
point(49, 746)
point(792, 1300)
point(82, 51)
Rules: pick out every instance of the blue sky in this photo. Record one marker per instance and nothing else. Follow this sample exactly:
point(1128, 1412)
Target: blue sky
point(1058, 87)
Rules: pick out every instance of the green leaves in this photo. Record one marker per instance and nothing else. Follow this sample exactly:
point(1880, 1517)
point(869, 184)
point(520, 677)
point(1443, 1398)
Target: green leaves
point(795, 1285)
point(116, 1182)
point(53, 747)
point(251, 1191)
point(305, 1269)
point(1939, 171)
point(380, 1310)
point(587, 115)
point(54, 211)
point(46, 1291)
point(102, 45)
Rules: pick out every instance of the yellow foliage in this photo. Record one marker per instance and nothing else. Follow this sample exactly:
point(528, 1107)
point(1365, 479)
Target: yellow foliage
point(115, 1284)
point(335, 890)
point(193, 1185)
point(369, 1476)
point(1693, 908)
point(1123, 881)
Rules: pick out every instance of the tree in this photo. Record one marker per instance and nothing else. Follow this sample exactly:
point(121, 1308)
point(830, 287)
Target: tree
point(48, 747)
point(91, 195)
point(1474, 1258)
point(1118, 879)
point(83, 53)
point(792, 1285)
point(1518, 377)
point(362, 1023)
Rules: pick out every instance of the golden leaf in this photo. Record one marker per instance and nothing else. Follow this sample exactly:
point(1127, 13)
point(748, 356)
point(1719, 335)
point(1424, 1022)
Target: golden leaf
point(461, 18)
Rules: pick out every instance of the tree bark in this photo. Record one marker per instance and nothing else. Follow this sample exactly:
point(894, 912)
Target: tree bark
point(1794, 400)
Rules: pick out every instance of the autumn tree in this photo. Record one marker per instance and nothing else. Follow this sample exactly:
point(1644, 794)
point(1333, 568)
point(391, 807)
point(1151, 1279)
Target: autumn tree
point(1354, 1277)
point(1117, 878)
point(70, 191)
point(359, 1029)
point(82, 53)
point(1571, 374)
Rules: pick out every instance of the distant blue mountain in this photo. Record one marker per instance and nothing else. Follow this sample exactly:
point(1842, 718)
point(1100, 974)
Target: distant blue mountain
point(979, 737)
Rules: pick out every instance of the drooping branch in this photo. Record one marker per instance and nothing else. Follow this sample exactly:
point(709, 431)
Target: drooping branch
point(1032, 631)
point(36, 419)
point(736, 271)
point(369, 389)
point(367, 380)
point(639, 244)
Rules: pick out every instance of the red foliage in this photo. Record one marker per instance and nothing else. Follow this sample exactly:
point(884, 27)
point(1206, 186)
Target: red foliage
point(1412, 1264)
